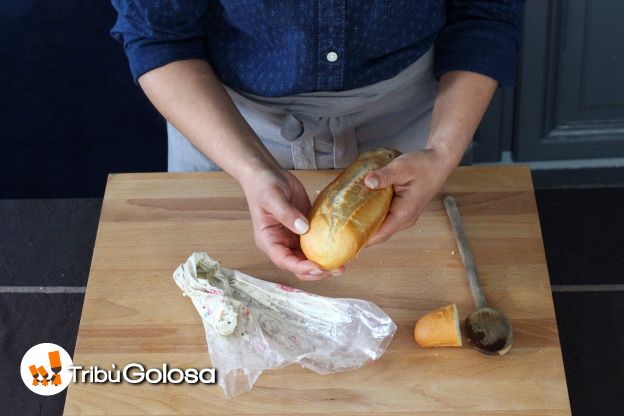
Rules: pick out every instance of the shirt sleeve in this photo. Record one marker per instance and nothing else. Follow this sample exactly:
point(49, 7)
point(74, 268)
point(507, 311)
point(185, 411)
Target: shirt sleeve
point(155, 33)
point(481, 36)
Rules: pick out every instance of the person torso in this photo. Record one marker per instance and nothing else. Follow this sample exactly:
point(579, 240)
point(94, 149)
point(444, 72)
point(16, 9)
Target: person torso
point(277, 47)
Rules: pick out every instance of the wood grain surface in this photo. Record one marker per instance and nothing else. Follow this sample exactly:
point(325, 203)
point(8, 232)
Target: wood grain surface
point(134, 312)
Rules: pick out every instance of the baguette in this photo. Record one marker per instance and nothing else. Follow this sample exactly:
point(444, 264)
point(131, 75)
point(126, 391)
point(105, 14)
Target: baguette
point(346, 213)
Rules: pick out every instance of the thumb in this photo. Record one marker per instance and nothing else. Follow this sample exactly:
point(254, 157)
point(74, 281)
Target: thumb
point(290, 217)
point(381, 178)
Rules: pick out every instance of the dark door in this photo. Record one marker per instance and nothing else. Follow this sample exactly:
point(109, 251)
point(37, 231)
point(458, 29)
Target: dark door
point(570, 97)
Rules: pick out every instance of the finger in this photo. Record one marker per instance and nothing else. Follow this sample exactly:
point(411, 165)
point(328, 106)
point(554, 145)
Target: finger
point(310, 277)
point(293, 261)
point(280, 245)
point(326, 273)
point(394, 173)
point(400, 216)
point(337, 272)
point(276, 203)
point(385, 231)
point(384, 177)
point(314, 273)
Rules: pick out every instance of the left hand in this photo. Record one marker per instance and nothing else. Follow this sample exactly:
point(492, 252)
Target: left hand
point(416, 177)
point(278, 203)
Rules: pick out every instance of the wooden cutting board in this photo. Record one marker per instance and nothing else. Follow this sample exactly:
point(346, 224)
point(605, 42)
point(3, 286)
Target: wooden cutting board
point(134, 312)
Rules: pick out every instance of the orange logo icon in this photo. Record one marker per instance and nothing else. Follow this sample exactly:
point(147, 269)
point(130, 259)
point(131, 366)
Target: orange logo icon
point(55, 366)
point(50, 378)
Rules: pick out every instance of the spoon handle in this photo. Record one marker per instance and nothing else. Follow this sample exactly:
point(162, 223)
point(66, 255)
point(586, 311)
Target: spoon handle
point(464, 251)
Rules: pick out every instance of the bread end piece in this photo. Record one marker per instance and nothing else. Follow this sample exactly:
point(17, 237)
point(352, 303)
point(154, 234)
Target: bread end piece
point(328, 250)
point(439, 328)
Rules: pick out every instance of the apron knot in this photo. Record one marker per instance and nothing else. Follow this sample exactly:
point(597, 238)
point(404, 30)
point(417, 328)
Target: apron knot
point(292, 128)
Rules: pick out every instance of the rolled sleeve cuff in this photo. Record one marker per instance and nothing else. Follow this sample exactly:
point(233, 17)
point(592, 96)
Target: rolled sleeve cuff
point(486, 50)
point(147, 54)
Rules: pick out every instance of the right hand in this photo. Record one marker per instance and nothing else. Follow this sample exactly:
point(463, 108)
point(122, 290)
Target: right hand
point(278, 203)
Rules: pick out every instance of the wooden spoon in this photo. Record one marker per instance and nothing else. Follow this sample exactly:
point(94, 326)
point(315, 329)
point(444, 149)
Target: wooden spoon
point(488, 330)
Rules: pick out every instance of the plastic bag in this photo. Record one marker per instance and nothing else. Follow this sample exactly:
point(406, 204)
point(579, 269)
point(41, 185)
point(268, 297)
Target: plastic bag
point(252, 325)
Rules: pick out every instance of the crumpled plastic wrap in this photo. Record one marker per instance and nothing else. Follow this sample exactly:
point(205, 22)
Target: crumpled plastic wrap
point(253, 325)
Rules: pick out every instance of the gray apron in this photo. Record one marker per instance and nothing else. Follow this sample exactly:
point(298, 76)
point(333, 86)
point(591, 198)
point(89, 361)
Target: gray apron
point(327, 129)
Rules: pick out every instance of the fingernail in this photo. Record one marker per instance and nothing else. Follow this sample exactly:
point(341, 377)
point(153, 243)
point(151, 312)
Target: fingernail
point(336, 273)
point(315, 271)
point(372, 182)
point(301, 226)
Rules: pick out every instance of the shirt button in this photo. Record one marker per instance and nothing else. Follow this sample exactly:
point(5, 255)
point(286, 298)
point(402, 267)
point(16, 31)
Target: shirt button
point(332, 57)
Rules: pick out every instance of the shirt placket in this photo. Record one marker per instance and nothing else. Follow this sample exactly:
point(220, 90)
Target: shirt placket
point(331, 44)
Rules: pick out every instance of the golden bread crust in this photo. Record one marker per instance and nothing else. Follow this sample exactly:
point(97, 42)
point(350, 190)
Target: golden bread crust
point(346, 213)
point(439, 328)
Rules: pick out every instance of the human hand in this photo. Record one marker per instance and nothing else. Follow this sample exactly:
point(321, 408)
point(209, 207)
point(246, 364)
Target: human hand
point(278, 203)
point(416, 177)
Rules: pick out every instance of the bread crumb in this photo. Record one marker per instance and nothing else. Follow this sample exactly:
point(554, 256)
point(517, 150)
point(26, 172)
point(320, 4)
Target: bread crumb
point(420, 231)
point(435, 353)
point(427, 251)
point(453, 252)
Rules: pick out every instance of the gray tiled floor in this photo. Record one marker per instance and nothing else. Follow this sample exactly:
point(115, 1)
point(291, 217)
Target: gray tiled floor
point(42, 243)
point(47, 242)
point(592, 339)
point(583, 233)
point(27, 320)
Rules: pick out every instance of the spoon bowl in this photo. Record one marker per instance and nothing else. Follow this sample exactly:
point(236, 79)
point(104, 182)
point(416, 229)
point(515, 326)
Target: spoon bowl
point(489, 331)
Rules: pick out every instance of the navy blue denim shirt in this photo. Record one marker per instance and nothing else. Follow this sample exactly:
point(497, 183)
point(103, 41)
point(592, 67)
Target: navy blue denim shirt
point(282, 47)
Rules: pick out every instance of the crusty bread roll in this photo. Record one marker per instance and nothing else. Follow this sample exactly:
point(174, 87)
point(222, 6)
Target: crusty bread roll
point(346, 213)
point(439, 328)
